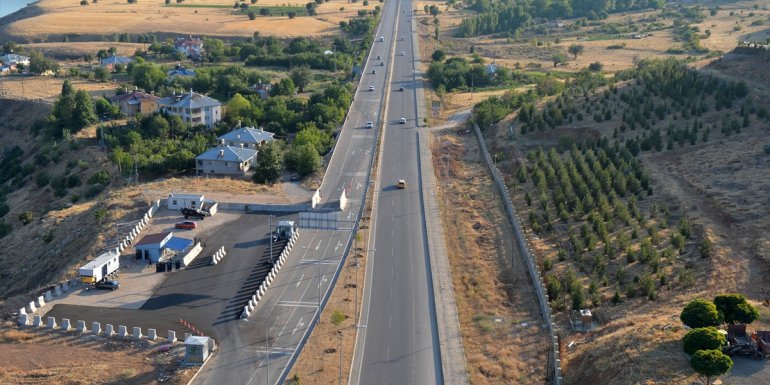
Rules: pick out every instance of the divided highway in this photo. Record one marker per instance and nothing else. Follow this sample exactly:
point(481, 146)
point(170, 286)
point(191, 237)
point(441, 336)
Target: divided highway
point(398, 342)
point(260, 350)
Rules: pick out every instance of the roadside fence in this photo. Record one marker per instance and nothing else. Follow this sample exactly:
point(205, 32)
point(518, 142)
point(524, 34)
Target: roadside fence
point(529, 258)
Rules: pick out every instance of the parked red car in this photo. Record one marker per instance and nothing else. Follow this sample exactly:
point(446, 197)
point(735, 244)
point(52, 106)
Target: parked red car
point(189, 225)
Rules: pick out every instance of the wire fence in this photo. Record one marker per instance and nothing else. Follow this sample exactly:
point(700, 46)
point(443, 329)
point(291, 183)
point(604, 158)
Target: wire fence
point(526, 251)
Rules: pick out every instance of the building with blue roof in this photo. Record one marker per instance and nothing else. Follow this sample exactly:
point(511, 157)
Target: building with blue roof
point(247, 137)
point(226, 160)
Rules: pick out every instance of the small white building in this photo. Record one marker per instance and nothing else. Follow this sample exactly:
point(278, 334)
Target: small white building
point(179, 201)
point(196, 350)
point(99, 268)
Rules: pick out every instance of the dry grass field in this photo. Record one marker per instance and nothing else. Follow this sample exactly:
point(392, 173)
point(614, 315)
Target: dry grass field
point(499, 319)
point(60, 17)
point(64, 358)
point(47, 87)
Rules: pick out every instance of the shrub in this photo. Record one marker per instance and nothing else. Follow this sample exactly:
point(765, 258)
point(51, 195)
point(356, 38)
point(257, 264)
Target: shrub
point(102, 177)
point(26, 217)
point(702, 339)
point(735, 309)
point(337, 317)
point(700, 313)
point(710, 363)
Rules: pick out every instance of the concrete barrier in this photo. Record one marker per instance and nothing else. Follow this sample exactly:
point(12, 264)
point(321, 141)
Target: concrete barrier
point(122, 331)
point(57, 291)
point(81, 326)
point(23, 319)
point(152, 335)
point(109, 330)
point(65, 324)
point(22, 311)
point(137, 332)
point(40, 302)
point(65, 287)
point(37, 321)
point(96, 328)
point(171, 336)
point(51, 323)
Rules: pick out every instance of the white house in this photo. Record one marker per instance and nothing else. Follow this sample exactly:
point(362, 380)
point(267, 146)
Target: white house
point(246, 137)
point(191, 47)
point(193, 108)
point(12, 59)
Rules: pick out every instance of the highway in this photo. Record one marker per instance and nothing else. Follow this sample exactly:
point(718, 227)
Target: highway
point(399, 344)
point(261, 349)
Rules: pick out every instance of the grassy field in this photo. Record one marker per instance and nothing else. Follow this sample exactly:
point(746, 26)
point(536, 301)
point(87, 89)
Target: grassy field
point(214, 18)
point(274, 9)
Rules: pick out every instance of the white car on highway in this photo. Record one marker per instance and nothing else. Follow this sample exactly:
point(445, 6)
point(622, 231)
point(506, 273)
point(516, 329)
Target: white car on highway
point(371, 88)
point(369, 124)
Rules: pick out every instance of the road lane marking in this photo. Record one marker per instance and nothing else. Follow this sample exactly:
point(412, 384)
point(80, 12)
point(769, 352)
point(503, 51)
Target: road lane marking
point(300, 279)
point(297, 304)
point(339, 243)
point(323, 262)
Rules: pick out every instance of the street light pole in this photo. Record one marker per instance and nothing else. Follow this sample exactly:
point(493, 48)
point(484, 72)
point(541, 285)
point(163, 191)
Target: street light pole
point(267, 360)
point(270, 223)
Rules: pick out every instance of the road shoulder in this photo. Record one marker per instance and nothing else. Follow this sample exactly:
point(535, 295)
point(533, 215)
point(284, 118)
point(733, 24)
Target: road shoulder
point(452, 351)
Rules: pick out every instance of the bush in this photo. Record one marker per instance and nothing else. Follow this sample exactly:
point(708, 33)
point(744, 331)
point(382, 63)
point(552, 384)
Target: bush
point(710, 363)
point(702, 339)
point(700, 313)
point(26, 218)
point(337, 317)
point(735, 309)
point(102, 177)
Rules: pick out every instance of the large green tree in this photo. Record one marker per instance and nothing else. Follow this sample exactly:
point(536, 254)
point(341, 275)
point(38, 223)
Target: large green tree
point(735, 309)
point(148, 76)
point(269, 164)
point(305, 159)
point(700, 313)
point(72, 111)
point(710, 363)
point(702, 339)
point(301, 76)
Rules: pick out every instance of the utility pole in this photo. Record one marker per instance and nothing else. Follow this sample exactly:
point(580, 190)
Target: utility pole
point(270, 223)
point(267, 360)
point(339, 335)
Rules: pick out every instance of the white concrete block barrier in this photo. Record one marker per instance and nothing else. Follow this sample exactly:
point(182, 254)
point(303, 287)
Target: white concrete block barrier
point(22, 311)
point(57, 291)
point(81, 328)
point(137, 332)
point(51, 323)
point(171, 336)
point(152, 334)
point(246, 313)
point(40, 302)
point(37, 321)
point(65, 325)
point(96, 328)
point(23, 319)
point(109, 330)
point(122, 331)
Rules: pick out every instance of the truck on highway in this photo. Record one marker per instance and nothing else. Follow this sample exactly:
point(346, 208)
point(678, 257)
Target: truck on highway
point(103, 267)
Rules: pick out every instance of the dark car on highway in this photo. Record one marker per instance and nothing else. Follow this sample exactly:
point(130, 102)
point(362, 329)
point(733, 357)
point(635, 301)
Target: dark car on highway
point(107, 285)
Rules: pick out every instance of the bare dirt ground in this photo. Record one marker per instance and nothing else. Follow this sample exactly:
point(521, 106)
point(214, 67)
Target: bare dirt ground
point(60, 17)
point(65, 358)
point(499, 319)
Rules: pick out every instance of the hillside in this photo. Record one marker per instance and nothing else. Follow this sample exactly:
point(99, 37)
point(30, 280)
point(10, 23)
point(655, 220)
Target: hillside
point(666, 159)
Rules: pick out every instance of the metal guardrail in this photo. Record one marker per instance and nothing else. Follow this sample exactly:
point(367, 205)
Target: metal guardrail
point(526, 251)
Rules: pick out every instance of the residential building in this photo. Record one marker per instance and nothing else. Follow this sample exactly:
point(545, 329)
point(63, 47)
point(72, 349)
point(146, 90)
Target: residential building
point(136, 102)
point(114, 60)
point(246, 137)
point(179, 71)
point(12, 59)
point(262, 89)
point(193, 108)
point(191, 47)
point(226, 160)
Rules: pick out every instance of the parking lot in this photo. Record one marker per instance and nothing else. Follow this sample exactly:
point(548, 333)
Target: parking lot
point(204, 295)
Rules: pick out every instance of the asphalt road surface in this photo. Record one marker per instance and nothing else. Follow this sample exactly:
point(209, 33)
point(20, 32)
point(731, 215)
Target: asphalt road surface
point(399, 344)
point(208, 297)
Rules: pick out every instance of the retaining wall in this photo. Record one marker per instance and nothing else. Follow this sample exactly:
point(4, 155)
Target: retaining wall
point(526, 251)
